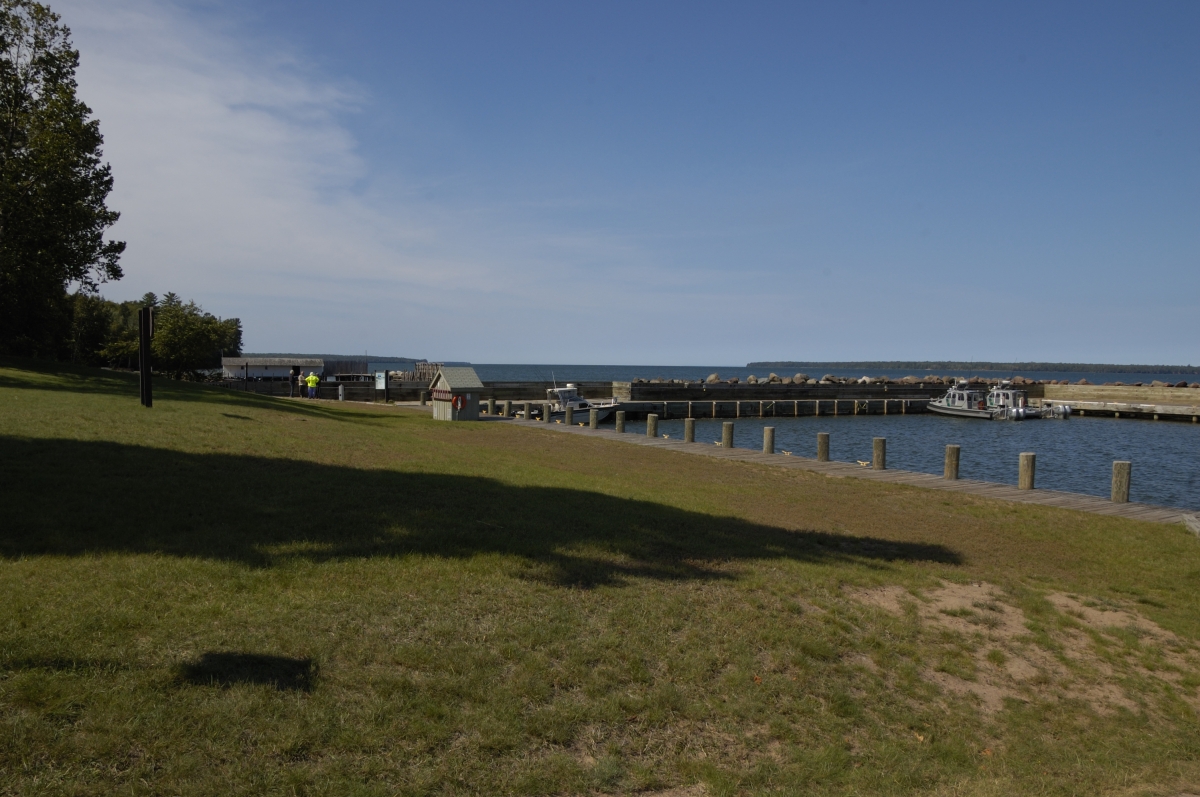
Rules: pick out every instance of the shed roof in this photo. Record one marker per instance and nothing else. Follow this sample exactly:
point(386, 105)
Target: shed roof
point(458, 378)
point(238, 362)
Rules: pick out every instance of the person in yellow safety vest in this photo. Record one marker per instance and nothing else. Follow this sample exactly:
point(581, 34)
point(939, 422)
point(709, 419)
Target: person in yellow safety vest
point(312, 380)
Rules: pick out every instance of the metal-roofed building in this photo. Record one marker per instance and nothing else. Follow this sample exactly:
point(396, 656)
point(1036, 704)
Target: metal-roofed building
point(269, 367)
point(455, 392)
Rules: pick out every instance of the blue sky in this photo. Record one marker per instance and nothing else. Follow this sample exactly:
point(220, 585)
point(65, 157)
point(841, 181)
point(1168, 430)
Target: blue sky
point(680, 183)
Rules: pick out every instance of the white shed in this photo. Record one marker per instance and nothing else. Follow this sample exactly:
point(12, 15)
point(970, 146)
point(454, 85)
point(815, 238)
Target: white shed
point(455, 392)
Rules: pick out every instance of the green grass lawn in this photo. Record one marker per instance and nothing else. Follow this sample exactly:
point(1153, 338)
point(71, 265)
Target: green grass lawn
point(231, 594)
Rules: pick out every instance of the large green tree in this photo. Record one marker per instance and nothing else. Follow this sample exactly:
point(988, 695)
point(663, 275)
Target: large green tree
point(188, 340)
point(53, 185)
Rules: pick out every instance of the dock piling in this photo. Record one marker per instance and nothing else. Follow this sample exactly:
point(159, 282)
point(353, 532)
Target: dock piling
point(545, 412)
point(491, 410)
point(768, 439)
point(1121, 473)
point(652, 425)
point(950, 471)
point(689, 430)
point(145, 364)
point(529, 410)
point(507, 409)
point(424, 398)
point(593, 419)
point(569, 414)
point(879, 453)
point(822, 446)
point(727, 434)
point(620, 421)
point(1026, 470)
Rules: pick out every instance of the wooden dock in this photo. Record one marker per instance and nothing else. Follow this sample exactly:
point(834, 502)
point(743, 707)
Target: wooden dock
point(771, 408)
point(1116, 409)
point(1126, 401)
point(1003, 492)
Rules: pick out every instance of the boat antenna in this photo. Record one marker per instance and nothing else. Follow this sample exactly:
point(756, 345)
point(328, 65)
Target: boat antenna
point(553, 380)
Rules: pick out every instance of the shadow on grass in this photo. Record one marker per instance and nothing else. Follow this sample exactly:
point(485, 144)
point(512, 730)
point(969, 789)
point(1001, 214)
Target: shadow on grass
point(28, 373)
point(72, 497)
point(227, 669)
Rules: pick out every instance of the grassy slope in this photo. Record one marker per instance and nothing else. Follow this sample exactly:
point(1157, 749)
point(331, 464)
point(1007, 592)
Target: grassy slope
point(479, 608)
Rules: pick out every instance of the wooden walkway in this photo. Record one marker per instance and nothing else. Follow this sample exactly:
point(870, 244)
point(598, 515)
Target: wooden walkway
point(1003, 492)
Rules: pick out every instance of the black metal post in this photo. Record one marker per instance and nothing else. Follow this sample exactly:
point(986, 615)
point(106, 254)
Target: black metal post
point(144, 372)
point(387, 376)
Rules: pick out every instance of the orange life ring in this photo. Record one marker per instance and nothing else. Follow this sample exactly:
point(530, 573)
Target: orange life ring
point(458, 402)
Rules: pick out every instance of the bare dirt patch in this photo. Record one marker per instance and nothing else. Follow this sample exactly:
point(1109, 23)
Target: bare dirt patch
point(890, 598)
point(1104, 617)
point(1085, 650)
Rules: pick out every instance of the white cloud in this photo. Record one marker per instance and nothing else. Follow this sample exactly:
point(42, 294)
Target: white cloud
point(234, 176)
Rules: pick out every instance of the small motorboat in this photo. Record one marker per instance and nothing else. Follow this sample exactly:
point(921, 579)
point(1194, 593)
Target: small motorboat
point(1008, 403)
point(963, 401)
point(560, 398)
point(1002, 402)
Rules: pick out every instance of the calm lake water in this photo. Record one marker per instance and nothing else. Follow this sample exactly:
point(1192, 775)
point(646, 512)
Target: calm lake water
point(1074, 455)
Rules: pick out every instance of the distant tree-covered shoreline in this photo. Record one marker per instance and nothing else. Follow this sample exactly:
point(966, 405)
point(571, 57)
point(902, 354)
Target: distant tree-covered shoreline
point(950, 365)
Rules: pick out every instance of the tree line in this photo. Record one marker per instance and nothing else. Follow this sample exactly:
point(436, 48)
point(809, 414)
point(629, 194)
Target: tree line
point(54, 220)
point(186, 342)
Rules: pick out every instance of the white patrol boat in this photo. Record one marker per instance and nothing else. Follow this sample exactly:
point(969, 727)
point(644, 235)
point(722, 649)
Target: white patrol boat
point(1002, 402)
point(962, 401)
point(1007, 403)
point(562, 397)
